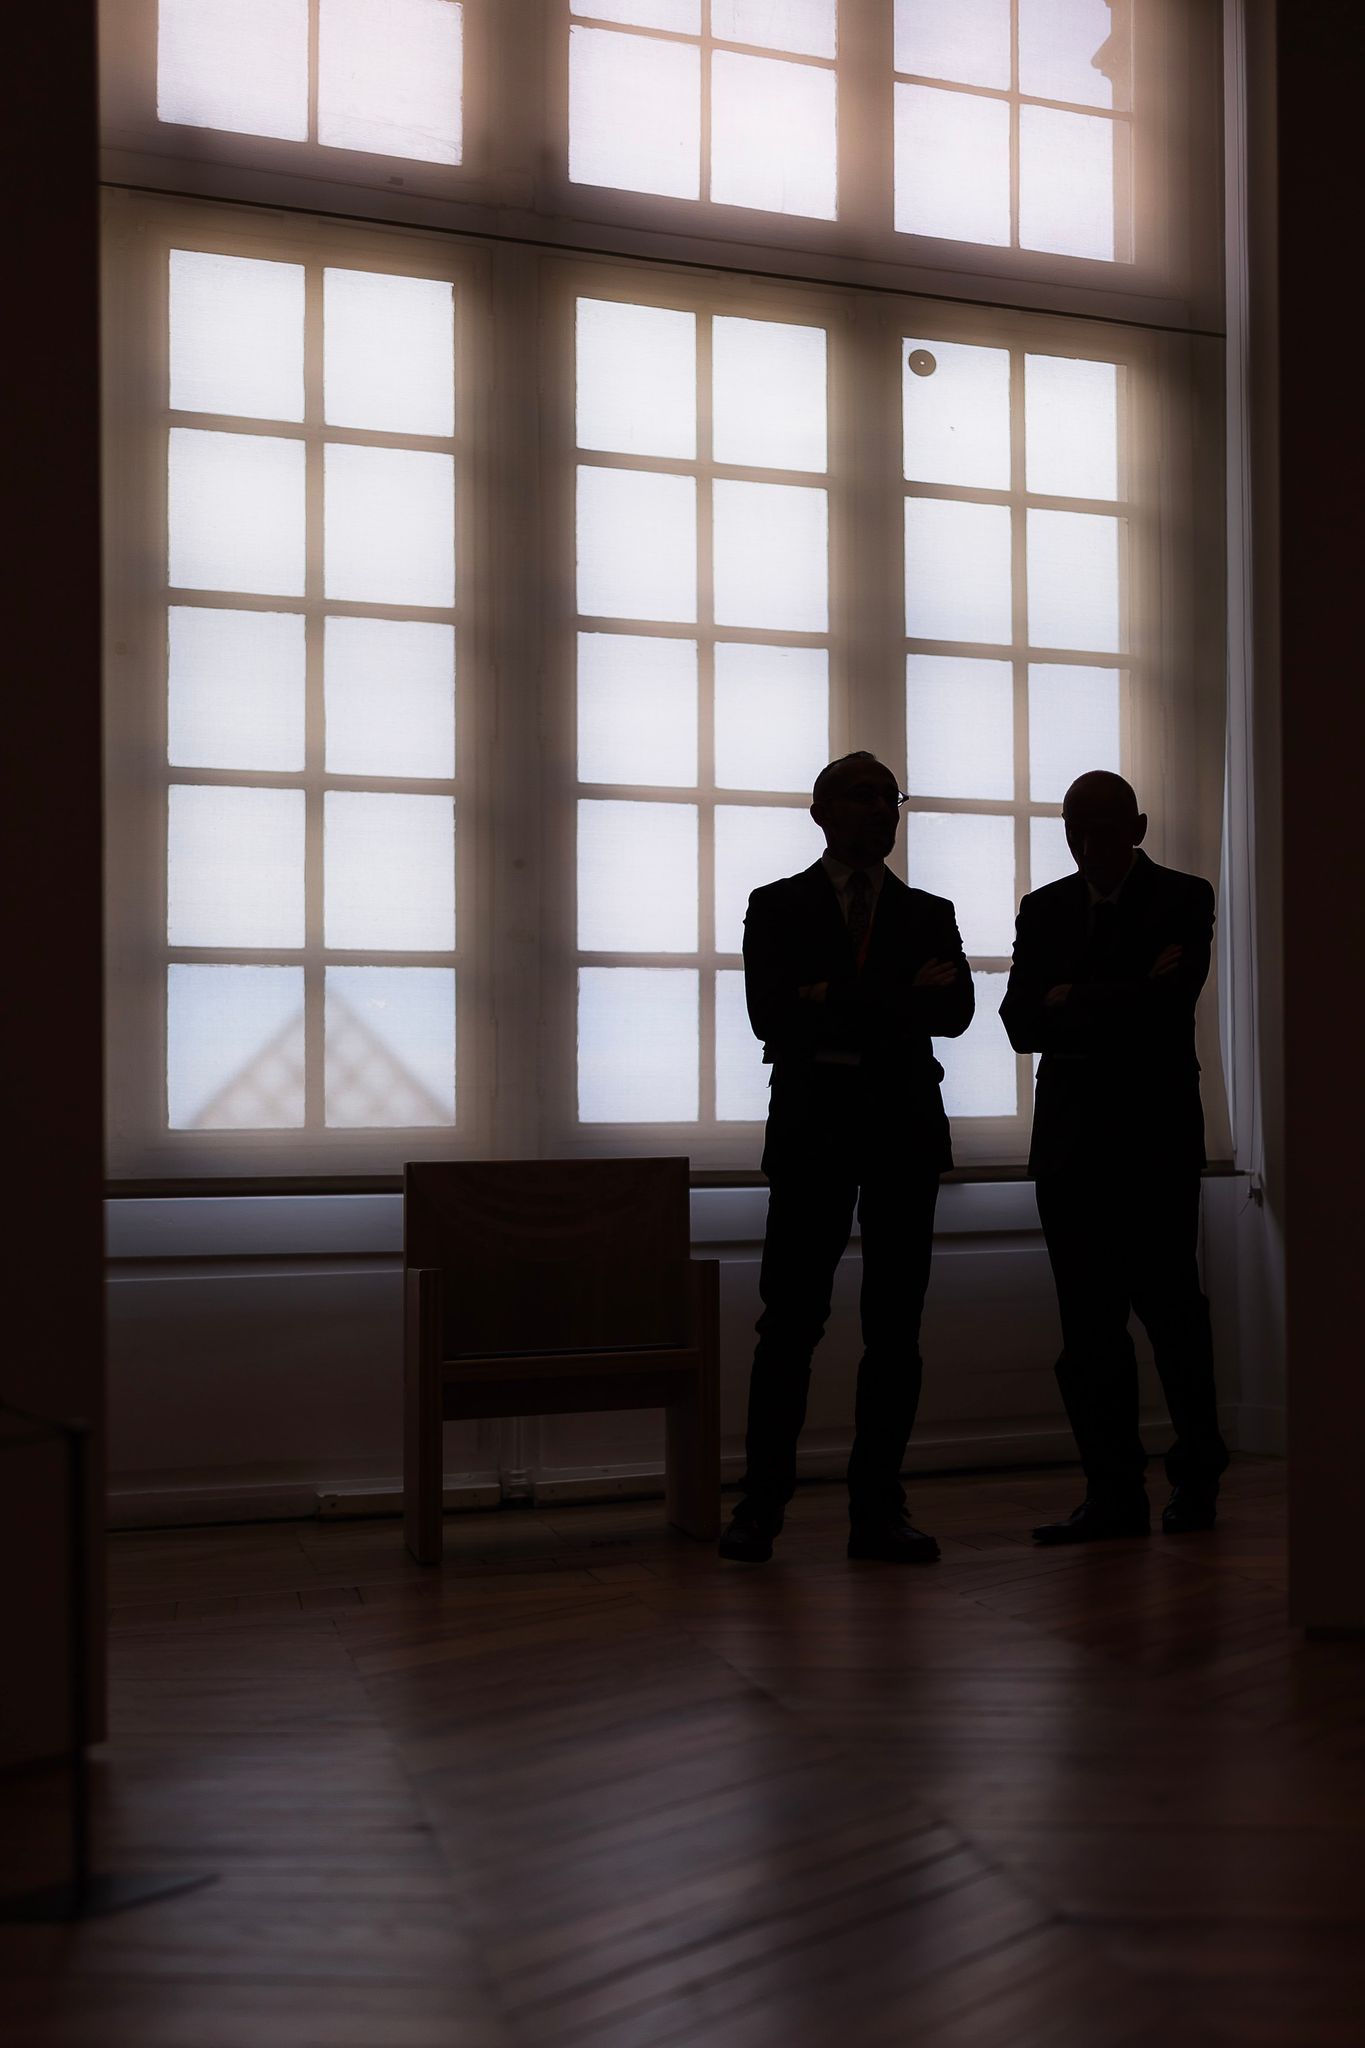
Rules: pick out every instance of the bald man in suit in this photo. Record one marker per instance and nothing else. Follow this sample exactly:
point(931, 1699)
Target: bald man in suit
point(848, 975)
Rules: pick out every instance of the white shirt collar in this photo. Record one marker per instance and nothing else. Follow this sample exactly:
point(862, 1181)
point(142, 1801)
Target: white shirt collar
point(839, 874)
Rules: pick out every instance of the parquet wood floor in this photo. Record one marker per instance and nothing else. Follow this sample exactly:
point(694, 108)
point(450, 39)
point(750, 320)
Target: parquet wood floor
point(591, 1788)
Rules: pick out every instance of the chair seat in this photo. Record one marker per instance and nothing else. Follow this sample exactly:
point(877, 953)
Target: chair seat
point(494, 1365)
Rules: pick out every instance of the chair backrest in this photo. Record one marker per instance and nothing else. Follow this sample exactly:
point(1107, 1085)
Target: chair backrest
point(551, 1254)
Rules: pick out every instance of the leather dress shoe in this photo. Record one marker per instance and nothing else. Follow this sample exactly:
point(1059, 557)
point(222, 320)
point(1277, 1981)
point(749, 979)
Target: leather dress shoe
point(749, 1537)
point(1189, 1508)
point(897, 1542)
point(1094, 1520)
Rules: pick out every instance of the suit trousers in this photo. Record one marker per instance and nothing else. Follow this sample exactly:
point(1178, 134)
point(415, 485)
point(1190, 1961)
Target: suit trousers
point(1121, 1243)
point(840, 1154)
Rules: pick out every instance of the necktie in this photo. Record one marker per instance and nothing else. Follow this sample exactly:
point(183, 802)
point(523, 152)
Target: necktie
point(859, 912)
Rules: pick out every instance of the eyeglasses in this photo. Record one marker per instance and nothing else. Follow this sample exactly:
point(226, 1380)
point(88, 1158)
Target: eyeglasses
point(868, 794)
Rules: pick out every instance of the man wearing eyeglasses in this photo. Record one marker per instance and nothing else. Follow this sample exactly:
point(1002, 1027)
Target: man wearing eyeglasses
point(848, 975)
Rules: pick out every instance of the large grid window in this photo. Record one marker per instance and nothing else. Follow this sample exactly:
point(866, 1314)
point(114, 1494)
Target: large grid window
point(703, 690)
point(308, 629)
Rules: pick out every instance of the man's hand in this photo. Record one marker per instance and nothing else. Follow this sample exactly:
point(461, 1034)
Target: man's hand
point(935, 974)
point(813, 992)
point(1166, 962)
point(1055, 997)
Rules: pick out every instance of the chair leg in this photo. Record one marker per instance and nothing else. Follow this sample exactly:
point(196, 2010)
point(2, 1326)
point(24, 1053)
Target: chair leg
point(423, 1416)
point(692, 1424)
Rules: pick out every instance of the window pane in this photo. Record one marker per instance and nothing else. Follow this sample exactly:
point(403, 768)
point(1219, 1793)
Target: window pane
point(1049, 855)
point(236, 684)
point(769, 405)
point(235, 512)
point(390, 694)
point(1071, 427)
point(389, 352)
point(389, 871)
point(957, 414)
point(772, 715)
point(234, 1048)
point(1072, 50)
point(390, 1046)
point(638, 1045)
point(773, 135)
point(634, 113)
point(389, 77)
point(234, 867)
point(637, 877)
point(637, 379)
point(809, 26)
point(236, 335)
point(682, 16)
point(1073, 726)
point(637, 545)
point(237, 64)
point(980, 1073)
point(1073, 580)
point(772, 556)
point(967, 41)
point(637, 710)
point(755, 846)
point(741, 1077)
point(959, 726)
point(952, 165)
point(971, 861)
point(1066, 182)
point(957, 570)
point(390, 525)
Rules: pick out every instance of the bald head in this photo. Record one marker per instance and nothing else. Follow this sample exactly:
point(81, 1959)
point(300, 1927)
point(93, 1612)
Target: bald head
point(1103, 827)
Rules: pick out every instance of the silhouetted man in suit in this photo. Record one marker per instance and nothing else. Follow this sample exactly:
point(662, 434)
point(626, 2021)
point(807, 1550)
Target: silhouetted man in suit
point(848, 974)
point(1108, 965)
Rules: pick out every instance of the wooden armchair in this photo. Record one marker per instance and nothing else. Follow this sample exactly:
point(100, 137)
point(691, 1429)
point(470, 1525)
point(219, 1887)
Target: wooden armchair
point(544, 1287)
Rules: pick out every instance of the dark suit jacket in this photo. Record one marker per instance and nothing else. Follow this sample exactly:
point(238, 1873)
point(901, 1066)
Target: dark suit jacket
point(794, 937)
point(1118, 1082)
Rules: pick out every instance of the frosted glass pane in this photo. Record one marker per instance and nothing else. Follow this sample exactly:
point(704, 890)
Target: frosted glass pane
point(967, 41)
point(957, 417)
point(637, 877)
point(1059, 42)
point(1071, 427)
point(1073, 580)
point(390, 695)
point(754, 846)
point(741, 1077)
point(637, 379)
point(389, 525)
point(952, 165)
point(390, 77)
point(236, 335)
point(390, 1047)
point(810, 26)
point(959, 726)
point(234, 867)
point(980, 1071)
point(958, 579)
point(1066, 182)
point(638, 1045)
point(637, 710)
point(237, 64)
point(772, 556)
point(634, 113)
point(772, 715)
point(235, 689)
point(769, 404)
point(1049, 855)
point(773, 135)
point(637, 545)
point(235, 513)
point(389, 352)
point(1073, 726)
point(388, 871)
point(682, 16)
point(234, 1048)
point(971, 861)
